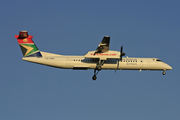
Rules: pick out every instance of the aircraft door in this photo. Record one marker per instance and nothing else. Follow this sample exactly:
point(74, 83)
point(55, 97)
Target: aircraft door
point(143, 64)
point(68, 61)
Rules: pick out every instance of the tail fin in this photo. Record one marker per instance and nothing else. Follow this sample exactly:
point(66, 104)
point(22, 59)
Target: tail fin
point(27, 46)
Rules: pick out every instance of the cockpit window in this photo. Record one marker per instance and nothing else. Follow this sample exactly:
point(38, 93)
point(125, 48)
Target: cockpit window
point(158, 60)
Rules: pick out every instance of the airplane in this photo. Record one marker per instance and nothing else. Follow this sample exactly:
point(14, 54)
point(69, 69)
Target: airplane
point(101, 58)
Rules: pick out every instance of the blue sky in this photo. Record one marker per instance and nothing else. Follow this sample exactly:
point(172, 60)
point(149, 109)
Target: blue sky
point(145, 29)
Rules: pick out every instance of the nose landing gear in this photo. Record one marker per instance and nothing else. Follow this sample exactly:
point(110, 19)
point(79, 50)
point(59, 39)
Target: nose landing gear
point(164, 72)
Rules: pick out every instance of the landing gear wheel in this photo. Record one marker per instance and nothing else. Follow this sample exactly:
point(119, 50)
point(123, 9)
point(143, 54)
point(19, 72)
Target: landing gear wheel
point(94, 77)
point(164, 72)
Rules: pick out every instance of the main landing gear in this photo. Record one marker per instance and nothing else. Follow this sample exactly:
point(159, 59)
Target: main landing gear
point(95, 73)
point(97, 69)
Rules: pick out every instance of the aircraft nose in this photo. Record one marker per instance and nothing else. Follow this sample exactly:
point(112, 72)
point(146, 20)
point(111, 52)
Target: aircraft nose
point(168, 67)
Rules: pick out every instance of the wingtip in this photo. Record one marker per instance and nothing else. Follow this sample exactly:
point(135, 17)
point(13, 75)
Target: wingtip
point(106, 36)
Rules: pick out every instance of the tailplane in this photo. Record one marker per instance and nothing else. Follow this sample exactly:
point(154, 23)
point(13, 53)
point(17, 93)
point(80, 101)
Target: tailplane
point(28, 48)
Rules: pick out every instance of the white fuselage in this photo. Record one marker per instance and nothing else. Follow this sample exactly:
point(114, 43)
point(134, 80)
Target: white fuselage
point(80, 62)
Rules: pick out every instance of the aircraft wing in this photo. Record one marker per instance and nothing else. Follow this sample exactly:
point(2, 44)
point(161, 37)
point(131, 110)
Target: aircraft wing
point(104, 45)
point(102, 52)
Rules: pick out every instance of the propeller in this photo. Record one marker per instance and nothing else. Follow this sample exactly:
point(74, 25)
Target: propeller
point(122, 53)
point(120, 57)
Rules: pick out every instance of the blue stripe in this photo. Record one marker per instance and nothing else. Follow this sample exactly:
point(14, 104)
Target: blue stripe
point(38, 54)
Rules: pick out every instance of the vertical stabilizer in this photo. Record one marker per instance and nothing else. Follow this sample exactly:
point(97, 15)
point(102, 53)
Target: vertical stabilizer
point(27, 45)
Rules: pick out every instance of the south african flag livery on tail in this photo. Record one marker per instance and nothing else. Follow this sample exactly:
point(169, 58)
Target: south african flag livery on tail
point(27, 46)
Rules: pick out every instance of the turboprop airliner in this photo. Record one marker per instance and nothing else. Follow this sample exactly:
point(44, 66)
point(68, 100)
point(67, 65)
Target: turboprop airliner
point(101, 58)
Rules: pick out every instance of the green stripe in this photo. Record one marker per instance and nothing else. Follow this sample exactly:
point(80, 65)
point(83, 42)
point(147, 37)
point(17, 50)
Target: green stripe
point(32, 46)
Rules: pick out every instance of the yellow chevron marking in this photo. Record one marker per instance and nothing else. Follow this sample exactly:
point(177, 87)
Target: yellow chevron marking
point(28, 49)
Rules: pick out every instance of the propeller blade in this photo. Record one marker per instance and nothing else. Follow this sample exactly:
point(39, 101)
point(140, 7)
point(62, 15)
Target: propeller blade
point(120, 57)
point(121, 48)
point(121, 53)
